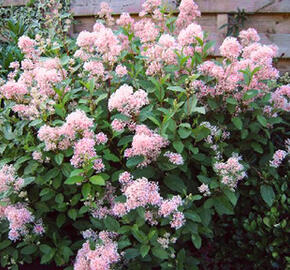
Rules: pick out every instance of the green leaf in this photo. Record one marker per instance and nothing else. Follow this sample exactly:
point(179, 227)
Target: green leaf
point(257, 147)
point(231, 101)
point(86, 189)
point(159, 253)
point(45, 248)
point(133, 161)
point(74, 179)
point(97, 180)
point(72, 213)
point(28, 250)
point(184, 132)
point(175, 183)
point(178, 146)
point(4, 244)
point(131, 253)
point(223, 206)
point(196, 240)
point(237, 122)
point(60, 220)
point(111, 224)
point(231, 196)
point(176, 89)
point(59, 158)
point(139, 235)
point(144, 249)
point(262, 120)
point(192, 215)
point(250, 94)
point(267, 194)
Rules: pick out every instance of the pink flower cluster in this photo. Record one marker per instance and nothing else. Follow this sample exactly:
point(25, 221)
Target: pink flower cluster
point(33, 91)
point(125, 20)
point(228, 76)
point(146, 30)
point(146, 143)
point(9, 179)
point(249, 36)
point(127, 102)
point(27, 46)
point(20, 219)
point(188, 11)
point(188, 35)
point(204, 189)
point(84, 153)
point(278, 158)
point(174, 158)
point(103, 257)
point(281, 98)
point(230, 48)
point(231, 171)
point(142, 193)
point(95, 68)
point(62, 137)
point(121, 70)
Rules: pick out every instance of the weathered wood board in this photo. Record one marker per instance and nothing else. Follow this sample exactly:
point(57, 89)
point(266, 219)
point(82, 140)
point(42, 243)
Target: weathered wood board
point(91, 7)
point(7, 3)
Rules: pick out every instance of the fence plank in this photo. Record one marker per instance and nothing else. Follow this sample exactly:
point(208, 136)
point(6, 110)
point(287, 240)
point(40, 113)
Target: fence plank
point(8, 3)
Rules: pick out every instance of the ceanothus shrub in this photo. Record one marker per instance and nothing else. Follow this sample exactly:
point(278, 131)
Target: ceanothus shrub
point(130, 144)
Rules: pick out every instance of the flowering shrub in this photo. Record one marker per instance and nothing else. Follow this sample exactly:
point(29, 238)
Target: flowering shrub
point(135, 140)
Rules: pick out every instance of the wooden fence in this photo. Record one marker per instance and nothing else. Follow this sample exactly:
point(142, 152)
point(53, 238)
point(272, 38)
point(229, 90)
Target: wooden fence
point(271, 18)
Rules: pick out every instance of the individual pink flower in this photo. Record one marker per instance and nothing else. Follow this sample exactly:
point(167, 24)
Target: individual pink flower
point(169, 206)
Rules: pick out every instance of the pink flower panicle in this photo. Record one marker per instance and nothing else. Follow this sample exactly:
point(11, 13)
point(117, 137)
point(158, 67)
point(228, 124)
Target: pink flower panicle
point(281, 98)
point(9, 179)
point(127, 102)
point(278, 158)
point(249, 36)
point(204, 189)
point(231, 48)
point(103, 257)
point(146, 143)
point(121, 71)
point(188, 11)
point(174, 158)
point(19, 218)
point(125, 20)
point(27, 46)
point(231, 171)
